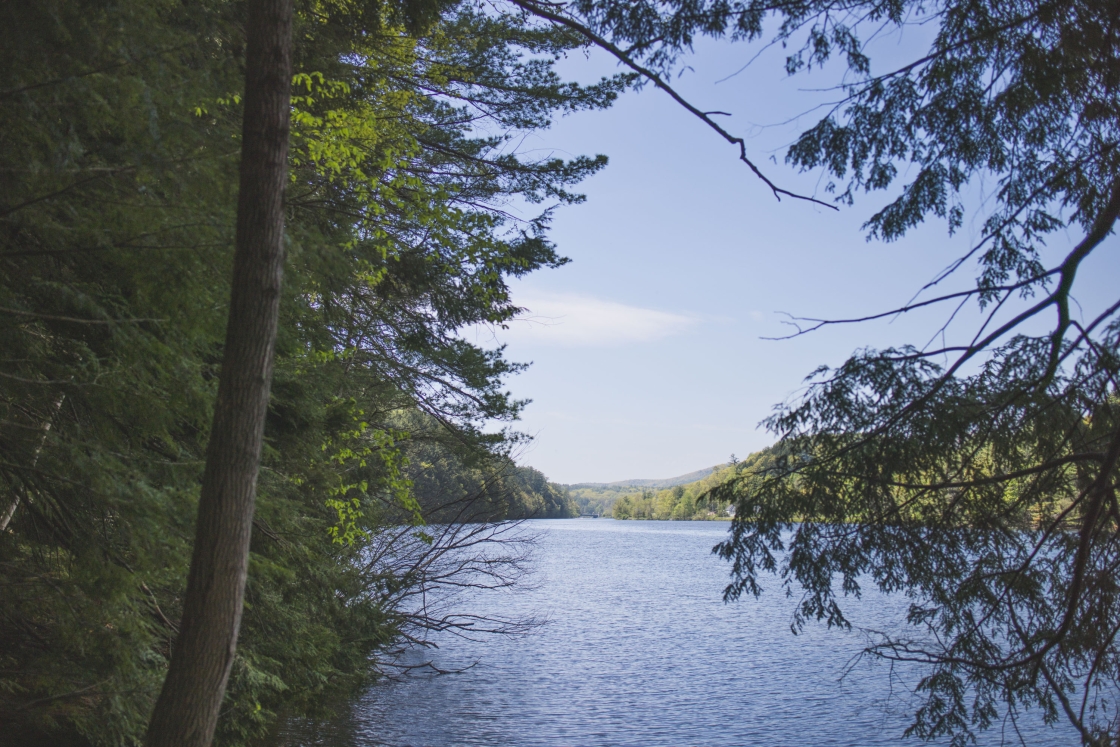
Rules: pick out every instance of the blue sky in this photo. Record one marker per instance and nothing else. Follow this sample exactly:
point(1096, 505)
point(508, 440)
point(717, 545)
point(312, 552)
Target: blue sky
point(647, 352)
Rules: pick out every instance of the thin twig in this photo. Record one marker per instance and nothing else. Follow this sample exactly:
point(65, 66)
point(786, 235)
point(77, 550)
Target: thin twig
point(599, 41)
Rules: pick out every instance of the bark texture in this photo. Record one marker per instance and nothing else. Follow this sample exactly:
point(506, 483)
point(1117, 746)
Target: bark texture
point(187, 710)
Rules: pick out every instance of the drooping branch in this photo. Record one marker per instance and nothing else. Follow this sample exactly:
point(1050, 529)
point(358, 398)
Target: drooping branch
point(554, 15)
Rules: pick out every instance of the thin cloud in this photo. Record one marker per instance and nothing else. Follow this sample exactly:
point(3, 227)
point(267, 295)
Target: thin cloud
point(573, 320)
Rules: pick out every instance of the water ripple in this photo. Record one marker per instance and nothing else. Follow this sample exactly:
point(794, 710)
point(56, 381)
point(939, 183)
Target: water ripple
point(640, 650)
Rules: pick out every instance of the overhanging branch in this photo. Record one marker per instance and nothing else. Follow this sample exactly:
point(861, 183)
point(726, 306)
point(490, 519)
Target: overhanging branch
point(552, 13)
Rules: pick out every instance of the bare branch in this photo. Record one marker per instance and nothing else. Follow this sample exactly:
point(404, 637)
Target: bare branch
point(555, 16)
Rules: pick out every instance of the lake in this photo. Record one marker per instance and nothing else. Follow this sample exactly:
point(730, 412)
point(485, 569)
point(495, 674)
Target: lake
point(638, 648)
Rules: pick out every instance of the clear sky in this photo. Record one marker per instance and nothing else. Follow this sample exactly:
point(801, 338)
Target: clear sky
point(646, 350)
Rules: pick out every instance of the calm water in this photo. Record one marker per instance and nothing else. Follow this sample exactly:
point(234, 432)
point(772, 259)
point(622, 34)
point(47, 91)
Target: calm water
point(639, 649)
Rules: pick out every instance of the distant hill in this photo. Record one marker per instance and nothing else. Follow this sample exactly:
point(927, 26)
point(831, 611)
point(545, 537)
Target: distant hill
point(668, 482)
point(686, 497)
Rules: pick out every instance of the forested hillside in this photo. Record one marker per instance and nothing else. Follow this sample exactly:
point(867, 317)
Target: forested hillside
point(599, 497)
point(456, 483)
point(119, 149)
point(667, 482)
point(681, 499)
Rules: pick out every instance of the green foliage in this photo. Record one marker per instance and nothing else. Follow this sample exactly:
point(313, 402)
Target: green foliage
point(119, 128)
point(457, 483)
point(532, 496)
point(597, 499)
point(687, 502)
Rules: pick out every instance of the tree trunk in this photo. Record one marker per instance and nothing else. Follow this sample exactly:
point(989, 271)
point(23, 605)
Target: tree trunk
point(187, 710)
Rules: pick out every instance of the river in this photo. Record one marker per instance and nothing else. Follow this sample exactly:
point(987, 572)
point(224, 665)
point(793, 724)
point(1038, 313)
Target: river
point(639, 649)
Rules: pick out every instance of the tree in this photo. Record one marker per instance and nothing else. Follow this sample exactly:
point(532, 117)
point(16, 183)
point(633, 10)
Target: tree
point(120, 125)
point(187, 710)
point(978, 476)
point(110, 216)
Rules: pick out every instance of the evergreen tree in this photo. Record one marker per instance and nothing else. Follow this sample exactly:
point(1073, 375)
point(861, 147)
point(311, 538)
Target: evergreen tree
point(119, 141)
